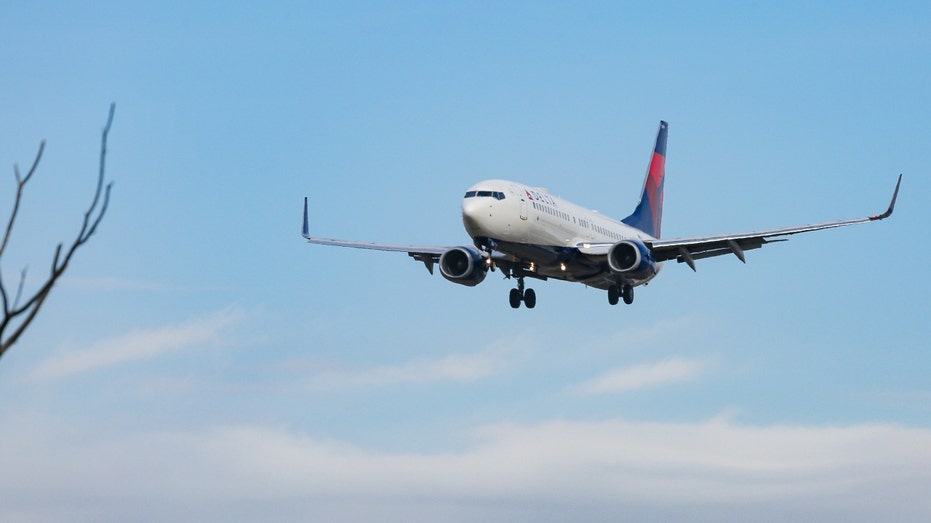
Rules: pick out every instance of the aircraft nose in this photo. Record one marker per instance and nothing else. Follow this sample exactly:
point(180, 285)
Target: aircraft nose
point(473, 211)
point(472, 207)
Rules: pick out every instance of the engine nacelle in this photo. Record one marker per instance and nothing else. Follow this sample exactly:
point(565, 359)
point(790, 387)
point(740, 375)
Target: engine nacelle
point(632, 259)
point(463, 265)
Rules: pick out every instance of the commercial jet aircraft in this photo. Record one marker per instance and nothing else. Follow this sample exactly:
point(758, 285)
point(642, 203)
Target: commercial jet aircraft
point(526, 232)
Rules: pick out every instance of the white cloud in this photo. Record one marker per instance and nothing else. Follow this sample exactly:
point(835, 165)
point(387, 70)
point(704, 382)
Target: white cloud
point(644, 375)
point(137, 346)
point(555, 469)
point(457, 368)
point(658, 331)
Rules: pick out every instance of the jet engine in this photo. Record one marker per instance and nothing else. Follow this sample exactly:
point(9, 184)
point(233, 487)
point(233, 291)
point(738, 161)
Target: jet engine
point(632, 259)
point(463, 265)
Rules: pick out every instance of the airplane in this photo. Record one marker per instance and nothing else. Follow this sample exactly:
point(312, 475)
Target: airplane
point(526, 232)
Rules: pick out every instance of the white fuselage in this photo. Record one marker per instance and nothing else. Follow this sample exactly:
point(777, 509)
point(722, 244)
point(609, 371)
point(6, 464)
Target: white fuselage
point(531, 224)
point(533, 216)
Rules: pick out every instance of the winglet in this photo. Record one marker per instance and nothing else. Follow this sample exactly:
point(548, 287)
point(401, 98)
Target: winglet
point(306, 230)
point(888, 212)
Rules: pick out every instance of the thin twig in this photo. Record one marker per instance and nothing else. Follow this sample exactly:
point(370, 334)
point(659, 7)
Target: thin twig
point(19, 290)
point(20, 183)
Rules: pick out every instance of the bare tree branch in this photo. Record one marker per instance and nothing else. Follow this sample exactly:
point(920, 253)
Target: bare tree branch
point(25, 313)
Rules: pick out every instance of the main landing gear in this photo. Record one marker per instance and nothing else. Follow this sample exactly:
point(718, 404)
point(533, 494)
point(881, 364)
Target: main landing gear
point(519, 295)
point(625, 291)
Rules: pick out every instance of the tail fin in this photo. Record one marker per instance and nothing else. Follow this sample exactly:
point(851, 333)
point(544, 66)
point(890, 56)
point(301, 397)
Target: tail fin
point(648, 216)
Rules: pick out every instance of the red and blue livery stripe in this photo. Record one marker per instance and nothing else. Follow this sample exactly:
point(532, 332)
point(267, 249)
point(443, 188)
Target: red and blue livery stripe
point(648, 216)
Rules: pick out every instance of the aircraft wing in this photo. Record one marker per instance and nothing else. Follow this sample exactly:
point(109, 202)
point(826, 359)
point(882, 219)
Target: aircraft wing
point(428, 254)
point(687, 250)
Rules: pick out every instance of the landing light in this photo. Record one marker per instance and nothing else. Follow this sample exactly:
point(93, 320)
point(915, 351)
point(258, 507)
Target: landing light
point(533, 267)
point(562, 266)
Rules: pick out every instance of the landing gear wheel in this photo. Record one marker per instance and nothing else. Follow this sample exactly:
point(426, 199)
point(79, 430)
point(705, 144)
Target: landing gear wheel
point(518, 295)
point(627, 292)
point(613, 294)
point(515, 298)
point(530, 298)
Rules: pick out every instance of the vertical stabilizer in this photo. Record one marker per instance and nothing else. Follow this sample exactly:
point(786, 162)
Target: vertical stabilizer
point(648, 216)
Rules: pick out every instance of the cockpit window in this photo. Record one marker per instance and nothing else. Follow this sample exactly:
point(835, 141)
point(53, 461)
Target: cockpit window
point(498, 195)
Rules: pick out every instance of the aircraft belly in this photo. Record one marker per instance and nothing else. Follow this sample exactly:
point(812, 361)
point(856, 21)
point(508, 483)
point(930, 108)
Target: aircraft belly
point(538, 254)
point(548, 261)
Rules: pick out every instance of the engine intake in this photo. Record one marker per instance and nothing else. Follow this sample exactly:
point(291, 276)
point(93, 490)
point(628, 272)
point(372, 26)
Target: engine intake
point(631, 258)
point(463, 265)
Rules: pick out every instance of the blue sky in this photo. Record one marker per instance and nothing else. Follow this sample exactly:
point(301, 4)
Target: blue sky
point(201, 362)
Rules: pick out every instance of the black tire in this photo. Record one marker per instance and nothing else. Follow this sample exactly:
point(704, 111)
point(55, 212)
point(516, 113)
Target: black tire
point(530, 298)
point(515, 298)
point(613, 295)
point(628, 294)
